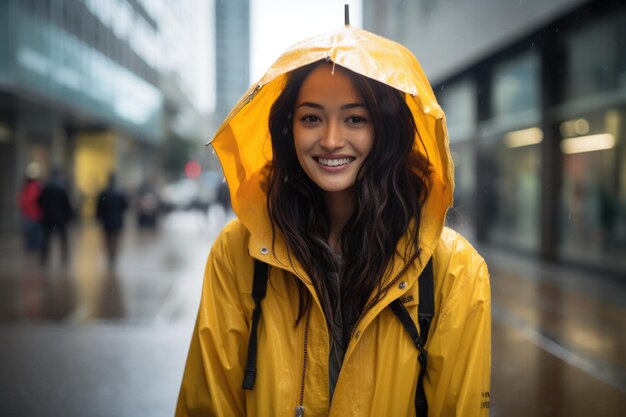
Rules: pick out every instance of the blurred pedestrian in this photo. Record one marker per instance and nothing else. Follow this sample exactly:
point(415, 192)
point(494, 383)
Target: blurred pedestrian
point(30, 209)
point(112, 204)
point(57, 212)
point(310, 299)
point(148, 205)
point(223, 195)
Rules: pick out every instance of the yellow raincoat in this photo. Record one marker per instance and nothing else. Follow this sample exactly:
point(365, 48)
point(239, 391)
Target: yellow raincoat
point(380, 369)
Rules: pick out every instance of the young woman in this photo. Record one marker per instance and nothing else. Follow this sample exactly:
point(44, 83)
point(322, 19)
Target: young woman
point(346, 203)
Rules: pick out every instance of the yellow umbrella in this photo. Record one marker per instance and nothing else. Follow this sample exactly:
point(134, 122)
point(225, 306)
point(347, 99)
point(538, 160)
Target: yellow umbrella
point(243, 143)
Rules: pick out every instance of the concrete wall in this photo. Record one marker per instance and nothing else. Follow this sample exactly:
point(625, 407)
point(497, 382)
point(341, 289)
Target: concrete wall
point(449, 35)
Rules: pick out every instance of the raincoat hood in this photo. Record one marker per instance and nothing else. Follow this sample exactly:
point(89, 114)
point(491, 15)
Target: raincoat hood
point(243, 142)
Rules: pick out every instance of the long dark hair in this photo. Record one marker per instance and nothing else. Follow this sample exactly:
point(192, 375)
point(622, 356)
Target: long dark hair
point(390, 190)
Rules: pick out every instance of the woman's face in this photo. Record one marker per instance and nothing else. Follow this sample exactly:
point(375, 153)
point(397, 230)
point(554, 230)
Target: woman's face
point(332, 129)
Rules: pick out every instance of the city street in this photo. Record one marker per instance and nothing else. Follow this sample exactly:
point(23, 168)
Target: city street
point(514, 111)
point(94, 341)
point(87, 340)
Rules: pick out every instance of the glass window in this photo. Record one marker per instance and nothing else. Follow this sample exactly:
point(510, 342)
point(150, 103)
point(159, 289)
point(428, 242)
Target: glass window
point(515, 85)
point(461, 216)
point(509, 156)
point(458, 101)
point(595, 58)
point(509, 193)
point(593, 195)
point(621, 50)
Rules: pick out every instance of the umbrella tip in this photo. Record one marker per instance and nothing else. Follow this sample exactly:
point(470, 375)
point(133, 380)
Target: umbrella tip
point(346, 10)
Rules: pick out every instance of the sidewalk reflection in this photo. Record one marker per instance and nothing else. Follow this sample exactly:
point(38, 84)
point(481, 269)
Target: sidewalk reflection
point(558, 341)
point(152, 268)
point(43, 296)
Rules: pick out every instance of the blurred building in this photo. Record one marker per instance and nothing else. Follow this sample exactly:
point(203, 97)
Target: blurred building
point(535, 98)
point(232, 50)
point(91, 86)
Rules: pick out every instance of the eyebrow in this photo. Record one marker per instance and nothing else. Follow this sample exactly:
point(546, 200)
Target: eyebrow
point(319, 106)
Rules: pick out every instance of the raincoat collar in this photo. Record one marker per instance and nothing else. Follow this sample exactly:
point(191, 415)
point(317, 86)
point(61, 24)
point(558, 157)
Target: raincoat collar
point(243, 142)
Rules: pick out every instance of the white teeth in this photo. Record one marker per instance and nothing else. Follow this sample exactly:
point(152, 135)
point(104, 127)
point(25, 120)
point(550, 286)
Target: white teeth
point(334, 162)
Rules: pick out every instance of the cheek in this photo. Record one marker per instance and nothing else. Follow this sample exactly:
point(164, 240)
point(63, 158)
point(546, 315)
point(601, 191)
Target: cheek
point(298, 147)
point(366, 142)
point(302, 141)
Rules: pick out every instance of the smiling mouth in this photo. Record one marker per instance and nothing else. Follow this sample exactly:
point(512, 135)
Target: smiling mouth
point(334, 162)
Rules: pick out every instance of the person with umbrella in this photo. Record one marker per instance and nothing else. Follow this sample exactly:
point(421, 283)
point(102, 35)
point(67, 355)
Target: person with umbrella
point(338, 290)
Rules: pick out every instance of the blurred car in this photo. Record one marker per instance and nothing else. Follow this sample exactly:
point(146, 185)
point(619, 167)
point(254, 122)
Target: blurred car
point(180, 194)
point(193, 194)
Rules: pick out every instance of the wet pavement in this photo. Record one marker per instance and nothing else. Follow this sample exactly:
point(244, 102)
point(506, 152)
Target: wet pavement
point(559, 345)
point(89, 340)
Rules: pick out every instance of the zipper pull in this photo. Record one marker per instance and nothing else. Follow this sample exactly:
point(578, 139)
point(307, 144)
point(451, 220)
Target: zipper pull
point(300, 411)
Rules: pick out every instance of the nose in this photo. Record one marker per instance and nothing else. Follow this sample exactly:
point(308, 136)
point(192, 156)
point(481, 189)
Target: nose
point(333, 137)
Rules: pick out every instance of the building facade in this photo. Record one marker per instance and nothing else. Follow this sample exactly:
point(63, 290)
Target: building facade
point(81, 89)
point(232, 54)
point(535, 99)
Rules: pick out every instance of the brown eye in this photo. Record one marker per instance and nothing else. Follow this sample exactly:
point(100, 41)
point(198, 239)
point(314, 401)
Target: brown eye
point(310, 118)
point(356, 119)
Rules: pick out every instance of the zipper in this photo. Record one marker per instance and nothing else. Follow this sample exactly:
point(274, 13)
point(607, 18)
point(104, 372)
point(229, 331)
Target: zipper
point(300, 406)
point(382, 291)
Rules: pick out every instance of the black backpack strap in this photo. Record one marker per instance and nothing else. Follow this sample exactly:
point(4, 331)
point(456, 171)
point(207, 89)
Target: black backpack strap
point(426, 306)
point(425, 312)
point(259, 286)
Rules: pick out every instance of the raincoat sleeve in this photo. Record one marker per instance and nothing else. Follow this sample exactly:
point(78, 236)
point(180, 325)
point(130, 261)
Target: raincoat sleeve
point(213, 375)
point(460, 356)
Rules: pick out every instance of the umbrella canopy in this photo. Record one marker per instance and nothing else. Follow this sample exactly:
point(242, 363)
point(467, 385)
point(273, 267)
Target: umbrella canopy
point(243, 142)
